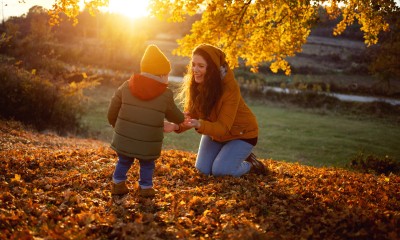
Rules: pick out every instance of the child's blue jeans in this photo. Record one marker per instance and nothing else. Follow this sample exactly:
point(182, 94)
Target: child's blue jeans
point(145, 173)
point(219, 159)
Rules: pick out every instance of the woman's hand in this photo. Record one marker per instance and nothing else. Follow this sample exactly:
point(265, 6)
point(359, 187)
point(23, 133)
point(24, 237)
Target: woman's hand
point(170, 127)
point(192, 123)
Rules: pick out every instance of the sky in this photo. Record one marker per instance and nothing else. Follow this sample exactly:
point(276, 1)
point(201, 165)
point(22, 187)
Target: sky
point(130, 8)
point(14, 8)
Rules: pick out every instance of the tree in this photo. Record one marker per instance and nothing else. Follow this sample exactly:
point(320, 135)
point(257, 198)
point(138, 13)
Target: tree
point(258, 31)
point(386, 57)
point(29, 35)
point(71, 9)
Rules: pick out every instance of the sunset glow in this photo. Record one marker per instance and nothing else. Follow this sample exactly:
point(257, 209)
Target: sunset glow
point(131, 8)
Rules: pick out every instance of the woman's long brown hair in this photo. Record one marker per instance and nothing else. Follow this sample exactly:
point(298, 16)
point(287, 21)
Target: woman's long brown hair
point(201, 98)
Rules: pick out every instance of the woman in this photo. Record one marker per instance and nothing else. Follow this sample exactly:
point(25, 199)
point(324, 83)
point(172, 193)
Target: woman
point(216, 109)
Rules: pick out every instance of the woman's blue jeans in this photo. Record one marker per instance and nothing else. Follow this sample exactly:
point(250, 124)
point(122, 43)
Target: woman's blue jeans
point(219, 159)
point(145, 173)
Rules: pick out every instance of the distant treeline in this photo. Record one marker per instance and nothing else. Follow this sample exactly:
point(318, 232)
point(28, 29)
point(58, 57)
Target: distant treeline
point(104, 40)
point(41, 65)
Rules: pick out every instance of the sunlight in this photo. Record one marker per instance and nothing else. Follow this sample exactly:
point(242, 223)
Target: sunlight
point(129, 8)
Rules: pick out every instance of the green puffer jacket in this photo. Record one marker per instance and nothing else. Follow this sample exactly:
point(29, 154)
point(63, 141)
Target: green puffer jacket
point(137, 111)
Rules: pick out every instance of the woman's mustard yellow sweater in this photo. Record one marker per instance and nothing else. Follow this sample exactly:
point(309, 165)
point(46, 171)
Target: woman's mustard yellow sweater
point(230, 118)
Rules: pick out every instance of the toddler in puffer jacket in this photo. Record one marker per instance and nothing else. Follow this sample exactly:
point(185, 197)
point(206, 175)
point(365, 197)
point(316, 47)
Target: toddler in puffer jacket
point(137, 112)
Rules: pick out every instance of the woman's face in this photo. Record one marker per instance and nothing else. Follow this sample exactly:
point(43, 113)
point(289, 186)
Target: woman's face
point(199, 68)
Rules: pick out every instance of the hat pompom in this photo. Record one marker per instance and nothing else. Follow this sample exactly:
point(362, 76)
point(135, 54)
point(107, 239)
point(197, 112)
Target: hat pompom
point(154, 61)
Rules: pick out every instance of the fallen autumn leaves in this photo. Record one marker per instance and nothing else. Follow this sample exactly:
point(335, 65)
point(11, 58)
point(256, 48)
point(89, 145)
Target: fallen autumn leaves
point(59, 188)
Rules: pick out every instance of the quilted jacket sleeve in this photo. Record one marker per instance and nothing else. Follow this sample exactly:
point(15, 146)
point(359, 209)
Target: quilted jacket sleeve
point(115, 105)
point(173, 114)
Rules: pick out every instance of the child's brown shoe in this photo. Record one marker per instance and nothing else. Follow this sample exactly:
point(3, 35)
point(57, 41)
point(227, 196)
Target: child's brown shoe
point(119, 188)
point(147, 192)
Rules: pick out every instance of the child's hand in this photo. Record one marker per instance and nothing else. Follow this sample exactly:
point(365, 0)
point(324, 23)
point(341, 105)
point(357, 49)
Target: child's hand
point(169, 127)
point(187, 115)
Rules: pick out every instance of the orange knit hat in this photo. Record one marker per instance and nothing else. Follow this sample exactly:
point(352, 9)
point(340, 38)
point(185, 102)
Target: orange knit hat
point(154, 61)
point(216, 54)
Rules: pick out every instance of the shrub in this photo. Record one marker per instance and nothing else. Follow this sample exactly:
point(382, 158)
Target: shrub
point(28, 98)
point(252, 88)
point(245, 73)
point(370, 163)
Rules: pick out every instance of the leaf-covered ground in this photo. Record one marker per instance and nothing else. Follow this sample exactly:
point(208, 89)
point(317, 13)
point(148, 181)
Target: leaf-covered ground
point(55, 187)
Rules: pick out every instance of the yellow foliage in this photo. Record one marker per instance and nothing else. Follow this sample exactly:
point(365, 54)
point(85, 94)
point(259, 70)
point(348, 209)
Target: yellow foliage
point(17, 177)
point(267, 31)
point(71, 9)
point(256, 31)
point(369, 14)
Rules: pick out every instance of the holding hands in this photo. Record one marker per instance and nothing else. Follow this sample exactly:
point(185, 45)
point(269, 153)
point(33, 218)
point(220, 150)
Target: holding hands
point(188, 122)
point(170, 127)
point(191, 122)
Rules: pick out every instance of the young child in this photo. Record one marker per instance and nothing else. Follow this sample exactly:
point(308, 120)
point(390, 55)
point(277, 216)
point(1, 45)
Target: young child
point(137, 112)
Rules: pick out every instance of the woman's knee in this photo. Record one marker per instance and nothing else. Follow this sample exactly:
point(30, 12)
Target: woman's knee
point(211, 170)
point(203, 169)
point(220, 171)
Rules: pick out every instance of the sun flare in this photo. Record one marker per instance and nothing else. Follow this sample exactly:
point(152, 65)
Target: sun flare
point(129, 8)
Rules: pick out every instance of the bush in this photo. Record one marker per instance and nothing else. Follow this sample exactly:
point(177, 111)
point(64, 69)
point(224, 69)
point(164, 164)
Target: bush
point(245, 73)
point(251, 88)
point(38, 102)
point(369, 163)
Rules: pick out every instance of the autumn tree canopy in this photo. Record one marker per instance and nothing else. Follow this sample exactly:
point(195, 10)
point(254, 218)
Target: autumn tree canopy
point(258, 31)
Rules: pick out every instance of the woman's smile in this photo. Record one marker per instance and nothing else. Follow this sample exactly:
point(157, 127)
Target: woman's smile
point(199, 68)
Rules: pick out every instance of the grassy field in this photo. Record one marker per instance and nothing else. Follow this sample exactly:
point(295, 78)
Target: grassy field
point(321, 140)
point(286, 133)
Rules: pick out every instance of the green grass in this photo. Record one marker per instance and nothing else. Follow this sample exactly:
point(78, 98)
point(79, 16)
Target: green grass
point(286, 134)
point(309, 138)
point(96, 116)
